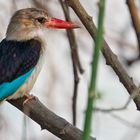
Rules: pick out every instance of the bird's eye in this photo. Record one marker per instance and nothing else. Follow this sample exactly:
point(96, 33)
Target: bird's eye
point(41, 19)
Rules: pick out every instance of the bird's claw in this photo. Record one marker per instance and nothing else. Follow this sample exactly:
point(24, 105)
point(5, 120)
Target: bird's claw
point(28, 98)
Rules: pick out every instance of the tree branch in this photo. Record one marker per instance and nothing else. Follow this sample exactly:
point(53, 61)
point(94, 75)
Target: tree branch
point(136, 24)
point(48, 120)
point(71, 37)
point(125, 122)
point(135, 19)
point(111, 58)
point(132, 96)
point(75, 59)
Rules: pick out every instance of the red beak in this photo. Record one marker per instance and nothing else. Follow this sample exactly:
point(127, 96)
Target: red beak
point(60, 24)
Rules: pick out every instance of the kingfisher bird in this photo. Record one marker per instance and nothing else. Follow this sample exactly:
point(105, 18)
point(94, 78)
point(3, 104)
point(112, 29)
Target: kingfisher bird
point(22, 50)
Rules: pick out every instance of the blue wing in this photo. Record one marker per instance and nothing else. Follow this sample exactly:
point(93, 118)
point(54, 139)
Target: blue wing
point(17, 60)
point(8, 88)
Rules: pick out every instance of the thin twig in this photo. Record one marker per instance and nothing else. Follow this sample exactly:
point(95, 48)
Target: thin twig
point(136, 23)
point(132, 96)
point(48, 120)
point(71, 36)
point(113, 109)
point(111, 58)
point(125, 122)
point(135, 19)
point(75, 59)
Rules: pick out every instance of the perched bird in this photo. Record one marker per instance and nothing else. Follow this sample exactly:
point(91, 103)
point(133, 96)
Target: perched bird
point(22, 50)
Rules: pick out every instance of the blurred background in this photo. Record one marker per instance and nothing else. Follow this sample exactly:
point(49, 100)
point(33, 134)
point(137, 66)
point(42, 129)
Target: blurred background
point(54, 86)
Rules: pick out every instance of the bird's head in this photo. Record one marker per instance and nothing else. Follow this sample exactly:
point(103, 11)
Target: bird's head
point(28, 23)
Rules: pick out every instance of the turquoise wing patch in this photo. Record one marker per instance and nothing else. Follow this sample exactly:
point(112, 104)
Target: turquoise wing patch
point(9, 88)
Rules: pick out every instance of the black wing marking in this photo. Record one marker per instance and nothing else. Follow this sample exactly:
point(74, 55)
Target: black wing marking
point(17, 58)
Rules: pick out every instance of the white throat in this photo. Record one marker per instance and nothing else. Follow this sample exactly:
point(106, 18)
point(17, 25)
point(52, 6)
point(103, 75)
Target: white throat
point(25, 35)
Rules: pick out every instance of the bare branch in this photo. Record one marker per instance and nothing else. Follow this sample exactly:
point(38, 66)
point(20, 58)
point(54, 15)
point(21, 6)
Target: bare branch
point(48, 120)
point(113, 109)
point(71, 37)
point(132, 96)
point(135, 19)
point(75, 59)
point(125, 122)
point(111, 58)
point(136, 23)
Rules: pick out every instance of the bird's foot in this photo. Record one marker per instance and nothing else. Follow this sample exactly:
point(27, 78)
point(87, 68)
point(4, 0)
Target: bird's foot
point(28, 98)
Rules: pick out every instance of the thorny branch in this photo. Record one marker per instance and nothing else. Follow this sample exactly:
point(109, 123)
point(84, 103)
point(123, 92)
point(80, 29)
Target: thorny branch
point(75, 58)
point(111, 58)
point(136, 23)
point(48, 120)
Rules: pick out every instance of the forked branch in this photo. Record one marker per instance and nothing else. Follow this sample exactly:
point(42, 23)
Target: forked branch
point(110, 57)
